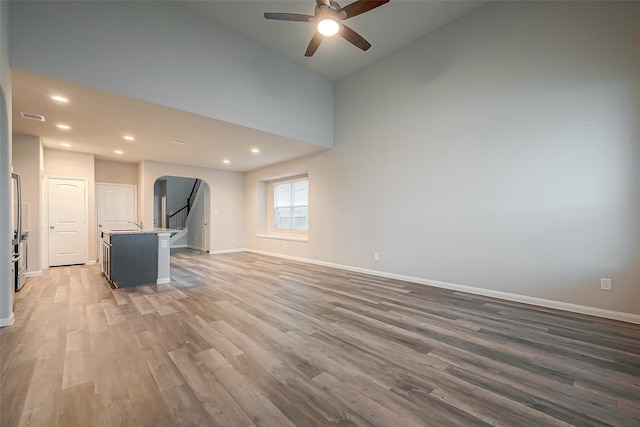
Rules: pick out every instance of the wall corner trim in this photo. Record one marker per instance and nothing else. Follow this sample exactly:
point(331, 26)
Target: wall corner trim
point(541, 302)
point(7, 321)
point(33, 273)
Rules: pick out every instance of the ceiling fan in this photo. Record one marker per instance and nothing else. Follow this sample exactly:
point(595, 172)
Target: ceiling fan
point(328, 16)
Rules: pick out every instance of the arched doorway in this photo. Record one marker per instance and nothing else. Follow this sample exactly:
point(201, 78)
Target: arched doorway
point(183, 204)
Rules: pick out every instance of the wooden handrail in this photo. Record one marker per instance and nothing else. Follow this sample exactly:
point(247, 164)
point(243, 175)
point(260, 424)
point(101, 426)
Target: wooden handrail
point(178, 211)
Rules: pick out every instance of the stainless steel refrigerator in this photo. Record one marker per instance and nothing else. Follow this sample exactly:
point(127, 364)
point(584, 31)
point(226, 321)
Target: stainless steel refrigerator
point(19, 238)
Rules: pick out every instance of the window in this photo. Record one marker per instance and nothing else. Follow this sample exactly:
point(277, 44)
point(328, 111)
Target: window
point(291, 205)
point(283, 207)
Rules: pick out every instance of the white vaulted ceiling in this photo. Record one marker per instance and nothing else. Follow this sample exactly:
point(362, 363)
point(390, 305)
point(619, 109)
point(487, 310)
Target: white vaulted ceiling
point(388, 28)
point(101, 117)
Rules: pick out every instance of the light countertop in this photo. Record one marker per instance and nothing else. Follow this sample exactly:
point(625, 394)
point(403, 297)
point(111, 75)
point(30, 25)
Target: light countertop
point(154, 231)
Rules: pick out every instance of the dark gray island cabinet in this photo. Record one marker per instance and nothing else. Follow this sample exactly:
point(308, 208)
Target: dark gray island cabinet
point(132, 258)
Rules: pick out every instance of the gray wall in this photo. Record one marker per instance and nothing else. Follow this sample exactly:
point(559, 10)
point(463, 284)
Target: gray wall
point(6, 291)
point(178, 189)
point(26, 158)
point(116, 172)
point(196, 237)
point(499, 152)
point(163, 53)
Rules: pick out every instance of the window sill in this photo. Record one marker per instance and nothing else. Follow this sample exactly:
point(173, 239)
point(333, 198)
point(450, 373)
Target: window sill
point(289, 239)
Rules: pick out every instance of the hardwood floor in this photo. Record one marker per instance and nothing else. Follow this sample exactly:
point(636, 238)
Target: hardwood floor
point(249, 340)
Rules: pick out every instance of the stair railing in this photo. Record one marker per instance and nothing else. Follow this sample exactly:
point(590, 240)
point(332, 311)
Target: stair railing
point(178, 219)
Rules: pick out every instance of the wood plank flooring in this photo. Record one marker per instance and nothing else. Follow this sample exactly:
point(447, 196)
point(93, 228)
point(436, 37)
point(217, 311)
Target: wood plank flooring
point(250, 340)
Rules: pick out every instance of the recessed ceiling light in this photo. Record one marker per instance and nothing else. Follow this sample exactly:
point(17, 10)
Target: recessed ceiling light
point(255, 150)
point(177, 141)
point(226, 161)
point(66, 144)
point(128, 137)
point(119, 152)
point(65, 127)
point(59, 98)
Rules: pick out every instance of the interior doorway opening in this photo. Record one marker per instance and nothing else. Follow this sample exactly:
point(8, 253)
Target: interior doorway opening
point(183, 204)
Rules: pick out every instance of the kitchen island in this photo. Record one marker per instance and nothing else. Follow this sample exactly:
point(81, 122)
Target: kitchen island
point(135, 257)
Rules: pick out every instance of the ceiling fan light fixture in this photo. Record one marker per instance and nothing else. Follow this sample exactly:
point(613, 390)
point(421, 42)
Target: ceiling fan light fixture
point(328, 16)
point(328, 27)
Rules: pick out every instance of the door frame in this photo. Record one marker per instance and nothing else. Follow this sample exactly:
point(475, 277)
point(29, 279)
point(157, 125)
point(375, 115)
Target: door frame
point(45, 222)
point(207, 217)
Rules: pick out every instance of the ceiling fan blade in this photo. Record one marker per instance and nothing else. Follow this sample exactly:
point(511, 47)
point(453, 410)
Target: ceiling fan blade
point(289, 17)
point(360, 7)
point(313, 44)
point(322, 3)
point(354, 38)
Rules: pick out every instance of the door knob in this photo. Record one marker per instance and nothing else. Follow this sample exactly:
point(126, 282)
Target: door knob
point(51, 227)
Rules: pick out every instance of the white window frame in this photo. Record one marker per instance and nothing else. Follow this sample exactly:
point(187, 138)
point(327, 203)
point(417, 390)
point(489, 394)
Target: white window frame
point(286, 234)
point(291, 207)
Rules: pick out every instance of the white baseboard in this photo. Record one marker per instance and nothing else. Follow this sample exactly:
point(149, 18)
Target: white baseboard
point(7, 321)
point(228, 251)
point(163, 280)
point(565, 306)
point(188, 247)
point(33, 273)
point(90, 262)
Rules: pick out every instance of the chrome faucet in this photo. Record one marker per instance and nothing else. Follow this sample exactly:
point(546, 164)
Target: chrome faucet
point(136, 224)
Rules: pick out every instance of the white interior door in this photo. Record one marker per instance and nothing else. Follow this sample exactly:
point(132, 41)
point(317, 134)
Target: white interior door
point(116, 207)
point(68, 228)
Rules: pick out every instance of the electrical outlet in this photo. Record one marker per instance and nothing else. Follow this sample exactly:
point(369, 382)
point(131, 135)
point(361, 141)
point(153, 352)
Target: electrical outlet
point(376, 256)
point(605, 284)
point(233, 240)
point(164, 244)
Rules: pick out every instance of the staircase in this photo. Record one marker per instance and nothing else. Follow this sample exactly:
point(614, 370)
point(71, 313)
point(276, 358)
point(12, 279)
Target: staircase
point(180, 219)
